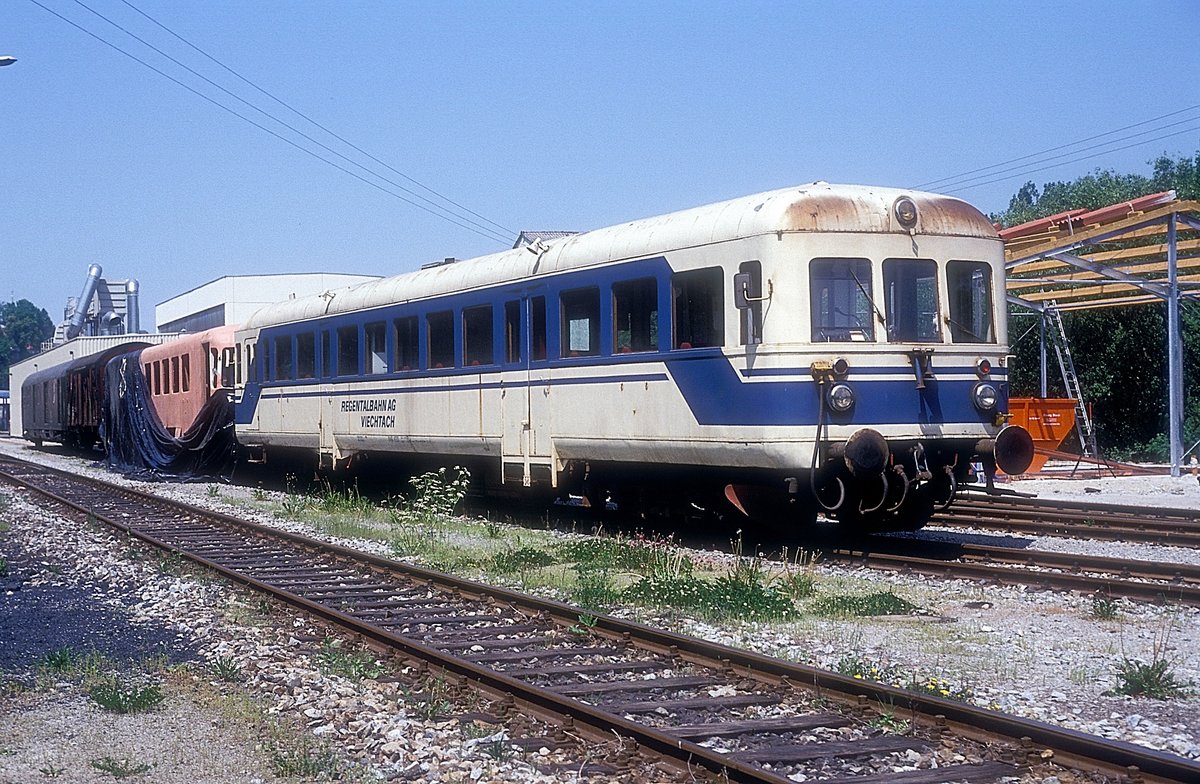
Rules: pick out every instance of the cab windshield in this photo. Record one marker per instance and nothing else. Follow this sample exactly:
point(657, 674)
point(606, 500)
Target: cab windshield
point(970, 293)
point(911, 300)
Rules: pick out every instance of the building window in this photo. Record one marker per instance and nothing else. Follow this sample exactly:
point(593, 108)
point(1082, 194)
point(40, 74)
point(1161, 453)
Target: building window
point(376, 348)
point(306, 355)
point(910, 298)
point(407, 344)
point(512, 332)
point(635, 316)
point(698, 298)
point(283, 358)
point(841, 300)
point(580, 322)
point(440, 329)
point(347, 351)
point(478, 348)
point(970, 293)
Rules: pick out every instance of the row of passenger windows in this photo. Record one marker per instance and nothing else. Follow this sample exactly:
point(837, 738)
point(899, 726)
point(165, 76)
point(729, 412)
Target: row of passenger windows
point(393, 346)
point(842, 309)
point(169, 375)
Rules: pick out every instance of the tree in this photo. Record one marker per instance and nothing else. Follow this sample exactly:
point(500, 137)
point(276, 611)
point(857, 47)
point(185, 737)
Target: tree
point(1119, 353)
point(23, 329)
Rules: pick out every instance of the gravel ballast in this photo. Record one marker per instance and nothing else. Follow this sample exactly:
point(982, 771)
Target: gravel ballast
point(1036, 654)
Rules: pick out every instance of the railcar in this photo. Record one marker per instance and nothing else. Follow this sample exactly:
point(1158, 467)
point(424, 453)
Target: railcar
point(64, 403)
point(184, 374)
point(824, 348)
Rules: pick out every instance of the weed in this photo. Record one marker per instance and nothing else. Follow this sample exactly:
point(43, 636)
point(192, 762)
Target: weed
point(882, 603)
point(170, 563)
point(595, 590)
point(867, 670)
point(587, 623)
point(493, 529)
point(51, 772)
point(213, 491)
point(432, 703)
point(1104, 608)
point(436, 494)
point(227, 669)
point(306, 762)
point(60, 660)
point(521, 559)
point(353, 665)
point(3, 568)
point(887, 721)
point(119, 769)
point(343, 500)
point(258, 494)
point(113, 696)
point(940, 687)
point(1155, 679)
point(796, 579)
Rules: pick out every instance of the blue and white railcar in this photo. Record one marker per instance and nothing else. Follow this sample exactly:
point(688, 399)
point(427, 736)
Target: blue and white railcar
point(822, 347)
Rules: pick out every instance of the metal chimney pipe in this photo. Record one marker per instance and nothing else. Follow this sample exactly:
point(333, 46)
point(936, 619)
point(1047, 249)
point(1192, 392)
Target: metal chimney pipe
point(132, 317)
point(85, 300)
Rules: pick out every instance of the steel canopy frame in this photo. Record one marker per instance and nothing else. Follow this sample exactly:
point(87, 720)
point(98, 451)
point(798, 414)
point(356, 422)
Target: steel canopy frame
point(1037, 253)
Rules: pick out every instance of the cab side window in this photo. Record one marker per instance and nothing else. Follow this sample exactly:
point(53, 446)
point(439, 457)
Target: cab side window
point(697, 298)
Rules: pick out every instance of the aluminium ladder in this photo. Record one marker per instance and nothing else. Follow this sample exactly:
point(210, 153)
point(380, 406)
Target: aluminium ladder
point(1084, 427)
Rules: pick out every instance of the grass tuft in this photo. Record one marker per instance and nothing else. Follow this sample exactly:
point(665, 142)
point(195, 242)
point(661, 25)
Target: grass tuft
point(333, 659)
point(119, 769)
point(118, 698)
point(881, 603)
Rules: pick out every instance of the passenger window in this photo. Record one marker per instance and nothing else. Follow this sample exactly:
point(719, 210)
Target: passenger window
point(376, 348)
point(228, 367)
point(347, 351)
point(970, 293)
point(580, 322)
point(477, 336)
point(407, 344)
point(841, 300)
point(306, 355)
point(185, 365)
point(157, 377)
point(910, 296)
point(698, 300)
point(326, 354)
point(147, 372)
point(751, 320)
point(283, 358)
point(512, 332)
point(440, 329)
point(174, 374)
point(537, 328)
point(166, 372)
point(635, 316)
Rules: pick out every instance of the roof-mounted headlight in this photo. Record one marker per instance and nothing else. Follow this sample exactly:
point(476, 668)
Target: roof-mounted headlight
point(841, 398)
point(985, 396)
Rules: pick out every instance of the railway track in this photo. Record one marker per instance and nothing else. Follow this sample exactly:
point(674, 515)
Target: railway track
point(1167, 583)
point(702, 710)
point(1052, 517)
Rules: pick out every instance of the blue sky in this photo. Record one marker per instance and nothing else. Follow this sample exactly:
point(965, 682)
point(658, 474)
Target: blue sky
point(534, 115)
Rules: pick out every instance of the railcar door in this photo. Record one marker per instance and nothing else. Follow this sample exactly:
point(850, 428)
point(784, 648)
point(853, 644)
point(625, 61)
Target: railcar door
point(525, 441)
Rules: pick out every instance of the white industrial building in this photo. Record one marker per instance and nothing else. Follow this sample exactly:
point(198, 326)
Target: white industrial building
point(231, 299)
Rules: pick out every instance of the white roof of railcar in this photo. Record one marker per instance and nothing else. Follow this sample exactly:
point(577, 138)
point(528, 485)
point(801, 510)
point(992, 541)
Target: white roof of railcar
point(815, 207)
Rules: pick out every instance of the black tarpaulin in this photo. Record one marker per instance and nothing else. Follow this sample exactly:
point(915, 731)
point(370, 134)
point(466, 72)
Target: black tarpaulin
point(138, 444)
